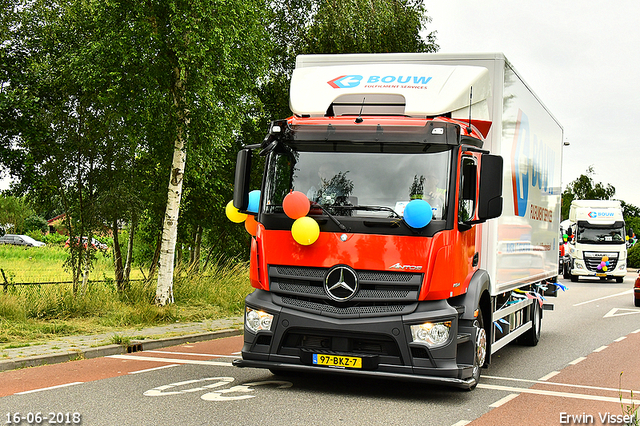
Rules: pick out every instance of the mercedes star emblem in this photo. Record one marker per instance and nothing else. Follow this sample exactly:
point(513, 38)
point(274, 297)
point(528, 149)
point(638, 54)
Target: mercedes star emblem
point(341, 283)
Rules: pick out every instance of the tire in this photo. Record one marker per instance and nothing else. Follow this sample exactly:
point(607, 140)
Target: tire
point(620, 280)
point(565, 272)
point(574, 278)
point(637, 302)
point(479, 349)
point(532, 336)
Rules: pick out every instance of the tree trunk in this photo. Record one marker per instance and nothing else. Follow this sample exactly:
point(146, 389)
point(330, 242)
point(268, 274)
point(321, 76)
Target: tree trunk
point(164, 290)
point(127, 265)
point(117, 259)
point(195, 261)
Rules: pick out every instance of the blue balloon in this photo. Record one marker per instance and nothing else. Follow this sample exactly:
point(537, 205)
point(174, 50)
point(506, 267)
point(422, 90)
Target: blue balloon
point(418, 214)
point(254, 201)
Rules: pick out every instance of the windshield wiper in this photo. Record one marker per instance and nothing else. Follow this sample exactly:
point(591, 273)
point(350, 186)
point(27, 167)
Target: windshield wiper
point(372, 209)
point(332, 217)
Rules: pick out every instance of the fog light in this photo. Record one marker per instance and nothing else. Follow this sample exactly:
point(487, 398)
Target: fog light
point(433, 334)
point(257, 320)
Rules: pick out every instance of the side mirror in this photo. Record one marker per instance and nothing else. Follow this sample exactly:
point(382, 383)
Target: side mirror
point(242, 180)
point(490, 195)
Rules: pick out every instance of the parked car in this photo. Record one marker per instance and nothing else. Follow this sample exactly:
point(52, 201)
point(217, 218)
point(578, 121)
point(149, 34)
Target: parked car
point(20, 240)
point(95, 244)
point(636, 291)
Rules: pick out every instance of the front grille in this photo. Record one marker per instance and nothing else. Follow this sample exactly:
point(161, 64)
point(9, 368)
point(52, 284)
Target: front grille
point(379, 293)
point(593, 259)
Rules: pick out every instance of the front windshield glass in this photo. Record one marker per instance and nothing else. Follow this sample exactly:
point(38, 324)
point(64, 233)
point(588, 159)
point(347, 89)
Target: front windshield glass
point(366, 184)
point(590, 235)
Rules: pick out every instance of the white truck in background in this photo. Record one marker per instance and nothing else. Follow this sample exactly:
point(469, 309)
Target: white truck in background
point(597, 246)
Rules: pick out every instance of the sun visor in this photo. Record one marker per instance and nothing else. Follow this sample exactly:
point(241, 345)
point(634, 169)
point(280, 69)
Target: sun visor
point(428, 90)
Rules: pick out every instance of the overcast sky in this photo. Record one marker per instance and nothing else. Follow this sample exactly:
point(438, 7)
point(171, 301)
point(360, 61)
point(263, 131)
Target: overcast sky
point(582, 59)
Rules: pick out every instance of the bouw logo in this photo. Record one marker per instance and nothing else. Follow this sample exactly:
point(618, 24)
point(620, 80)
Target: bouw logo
point(345, 81)
point(532, 165)
point(595, 215)
point(393, 81)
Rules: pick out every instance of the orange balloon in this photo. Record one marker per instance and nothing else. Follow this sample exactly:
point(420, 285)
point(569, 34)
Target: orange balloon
point(251, 225)
point(296, 205)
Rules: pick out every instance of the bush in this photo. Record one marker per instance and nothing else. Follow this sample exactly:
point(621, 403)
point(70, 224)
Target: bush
point(54, 239)
point(633, 256)
point(36, 223)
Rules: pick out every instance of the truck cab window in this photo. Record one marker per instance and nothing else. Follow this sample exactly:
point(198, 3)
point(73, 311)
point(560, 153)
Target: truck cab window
point(466, 205)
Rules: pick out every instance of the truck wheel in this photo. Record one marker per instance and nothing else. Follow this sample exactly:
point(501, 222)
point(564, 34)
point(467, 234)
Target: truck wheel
point(619, 279)
point(480, 349)
point(532, 336)
point(565, 273)
point(637, 302)
point(574, 278)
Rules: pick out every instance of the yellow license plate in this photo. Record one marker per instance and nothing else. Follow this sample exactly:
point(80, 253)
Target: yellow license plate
point(601, 275)
point(337, 361)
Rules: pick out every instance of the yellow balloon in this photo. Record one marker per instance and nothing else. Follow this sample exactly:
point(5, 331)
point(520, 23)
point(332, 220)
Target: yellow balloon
point(305, 230)
point(604, 268)
point(233, 214)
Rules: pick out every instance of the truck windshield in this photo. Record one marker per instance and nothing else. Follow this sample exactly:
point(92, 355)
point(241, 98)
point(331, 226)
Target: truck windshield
point(364, 184)
point(593, 235)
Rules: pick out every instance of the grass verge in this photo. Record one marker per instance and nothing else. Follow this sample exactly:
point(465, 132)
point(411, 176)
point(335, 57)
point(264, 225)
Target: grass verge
point(37, 313)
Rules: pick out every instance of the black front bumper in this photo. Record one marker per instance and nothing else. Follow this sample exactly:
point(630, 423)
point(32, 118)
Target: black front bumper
point(384, 342)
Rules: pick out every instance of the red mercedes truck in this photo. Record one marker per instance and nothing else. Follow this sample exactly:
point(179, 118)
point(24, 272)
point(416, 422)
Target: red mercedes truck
point(408, 218)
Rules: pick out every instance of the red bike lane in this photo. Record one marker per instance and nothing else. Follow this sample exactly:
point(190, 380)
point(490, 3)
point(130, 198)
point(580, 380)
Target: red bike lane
point(599, 389)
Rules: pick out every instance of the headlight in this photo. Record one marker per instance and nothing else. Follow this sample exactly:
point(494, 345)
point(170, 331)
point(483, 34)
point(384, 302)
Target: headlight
point(257, 320)
point(433, 334)
point(579, 265)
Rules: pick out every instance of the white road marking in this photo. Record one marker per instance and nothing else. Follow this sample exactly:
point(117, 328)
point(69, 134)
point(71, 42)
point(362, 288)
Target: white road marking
point(49, 388)
point(600, 349)
point(154, 369)
point(504, 400)
point(194, 354)
point(620, 339)
point(618, 312)
point(557, 384)
point(171, 360)
point(548, 376)
point(577, 360)
point(605, 297)
point(461, 423)
point(560, 394)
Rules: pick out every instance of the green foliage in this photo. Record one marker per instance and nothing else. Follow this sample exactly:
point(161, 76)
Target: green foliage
point(633, 256)
point(14, 211)
point(370, 26)
point(584, 188)
point(36, 223)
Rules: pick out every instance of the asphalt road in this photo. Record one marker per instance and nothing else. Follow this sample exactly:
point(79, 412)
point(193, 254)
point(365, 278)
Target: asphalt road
point(195, 384)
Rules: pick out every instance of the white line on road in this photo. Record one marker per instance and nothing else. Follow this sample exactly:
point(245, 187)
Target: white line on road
point(605, 297)
point(557, 384)
point(620, 339)
point(577, 360)
point(171, 360)
point(194, 354)
point(154, 369)
point(49, 388)
point(461, 423)
point(560, 394)
point(600, 349)
point(504, 400)
point(548, 376)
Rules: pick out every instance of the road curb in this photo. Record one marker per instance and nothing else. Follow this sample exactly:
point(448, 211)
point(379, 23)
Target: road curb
point(101, 351)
